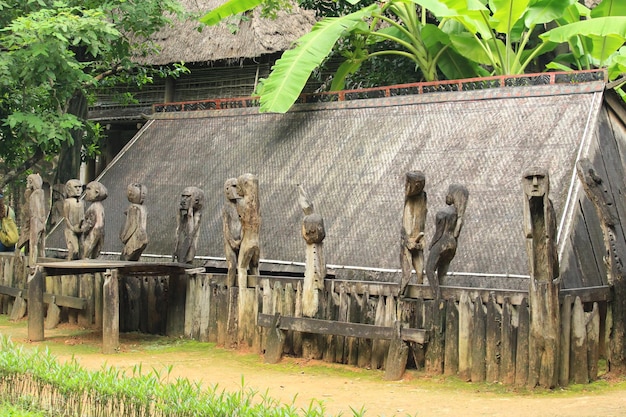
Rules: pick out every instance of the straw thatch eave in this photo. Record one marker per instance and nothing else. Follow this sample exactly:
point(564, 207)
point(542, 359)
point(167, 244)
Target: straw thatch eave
point(254, 37)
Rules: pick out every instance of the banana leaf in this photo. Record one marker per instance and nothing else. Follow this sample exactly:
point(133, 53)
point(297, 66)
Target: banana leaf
point(291, 72)
point(228, 9)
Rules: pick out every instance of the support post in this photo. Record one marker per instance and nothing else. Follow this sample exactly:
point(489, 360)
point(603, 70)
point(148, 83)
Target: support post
point(111, 312)
point(35, 304)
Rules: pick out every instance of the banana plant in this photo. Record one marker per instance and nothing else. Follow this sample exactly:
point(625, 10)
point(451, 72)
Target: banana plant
point(470, 38)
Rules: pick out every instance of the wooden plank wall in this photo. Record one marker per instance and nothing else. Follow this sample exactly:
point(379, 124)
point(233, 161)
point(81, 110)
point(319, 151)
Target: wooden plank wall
point(477, 335)
point(483, 338)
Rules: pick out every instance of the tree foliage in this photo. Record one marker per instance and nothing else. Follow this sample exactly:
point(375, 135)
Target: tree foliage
point(55, 51)
point(453, 39)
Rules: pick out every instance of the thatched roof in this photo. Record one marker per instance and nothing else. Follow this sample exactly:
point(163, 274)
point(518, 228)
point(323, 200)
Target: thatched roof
point(351, 157)
point(254, 37)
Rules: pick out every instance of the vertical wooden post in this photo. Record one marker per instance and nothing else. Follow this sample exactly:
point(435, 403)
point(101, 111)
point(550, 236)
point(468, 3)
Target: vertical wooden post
point(397, 355)
point(494, 330)
point(451, 361)
point(521, 353)
point(509, 355)
point(465, 333)
point(176, 305)
point(593, 342)
point(110, 313)
point(579, 373)
point(435, 352)
point(35, 305)
point(566, 331)
point(479, 347)
point(85, 290)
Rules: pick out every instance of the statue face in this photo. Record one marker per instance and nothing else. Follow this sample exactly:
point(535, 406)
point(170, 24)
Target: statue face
point(535, 183)
point(92, 192)
point(230, 189)
point(136, 193)
point(185, 199)
point(415, 182)
point(73, 188)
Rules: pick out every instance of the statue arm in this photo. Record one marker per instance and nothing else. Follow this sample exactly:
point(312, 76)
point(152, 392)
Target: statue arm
point(228, 235)
point(89, 222)
point(131, 224)
point(37, 212)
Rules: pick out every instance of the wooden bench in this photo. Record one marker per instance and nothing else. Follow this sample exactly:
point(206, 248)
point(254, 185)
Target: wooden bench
point(398, 335)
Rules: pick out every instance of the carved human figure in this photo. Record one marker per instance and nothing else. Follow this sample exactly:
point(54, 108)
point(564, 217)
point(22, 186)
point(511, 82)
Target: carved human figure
point(74, 214)
point(188, 224)
point(448, 224)
point(313, 233)
point(92, 227)
point(32, 236)
point(597, 192)
point(250, 215)
point(543, 291)
point(231, 227)
point(413, 226)
point(134, 235)
point(540, 225)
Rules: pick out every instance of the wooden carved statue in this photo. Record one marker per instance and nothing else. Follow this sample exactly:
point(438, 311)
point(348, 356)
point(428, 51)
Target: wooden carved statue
point(134, 235)
point(32, 236)
point(74, 214)
point(250, 215)
point(413, 226)
point(543, 292)
point(93, 225)
point(231, 227)
point(540, 226)
point(448, 224)
point(600, 194)
point(188, 224)
point(313, 233)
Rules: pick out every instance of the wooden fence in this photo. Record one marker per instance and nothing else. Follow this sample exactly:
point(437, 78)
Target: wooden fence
point(477, 334)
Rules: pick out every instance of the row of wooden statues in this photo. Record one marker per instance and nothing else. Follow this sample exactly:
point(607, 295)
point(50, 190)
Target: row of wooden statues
point(84, 229)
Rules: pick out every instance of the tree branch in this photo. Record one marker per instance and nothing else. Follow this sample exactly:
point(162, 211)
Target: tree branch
point(14, 173)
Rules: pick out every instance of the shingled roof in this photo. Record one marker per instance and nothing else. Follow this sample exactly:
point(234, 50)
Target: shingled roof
point(351, 157)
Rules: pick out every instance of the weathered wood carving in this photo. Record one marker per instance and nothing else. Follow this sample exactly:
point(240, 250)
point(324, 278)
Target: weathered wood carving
point(188, 224)
point(250, 215)
point(600, 195)
point(92, 227)
point(448, 224)
point(74, 214)
point(540, 233)
point(313, 233)
point(32, 236)
point(231, 227)
point(134, 235)
point(413, 226)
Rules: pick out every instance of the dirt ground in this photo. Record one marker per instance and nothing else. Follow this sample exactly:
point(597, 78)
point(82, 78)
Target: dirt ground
point(341, 388)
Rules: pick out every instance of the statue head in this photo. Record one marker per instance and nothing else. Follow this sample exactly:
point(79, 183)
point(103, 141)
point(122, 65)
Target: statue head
point(73, 188)
point(247, 184)
point(536, 182)
point(414, 183)
point(34, 182)
point(95, 191)
point(192, 198)
point(136, 193)
point(230, 189)
point(313, 228)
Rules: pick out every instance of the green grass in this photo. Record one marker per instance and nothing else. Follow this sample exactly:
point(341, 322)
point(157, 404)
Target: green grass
point(21, 409)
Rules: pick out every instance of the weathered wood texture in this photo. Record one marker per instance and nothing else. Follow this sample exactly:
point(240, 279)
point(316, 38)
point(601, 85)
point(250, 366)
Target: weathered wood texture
point(477, 338)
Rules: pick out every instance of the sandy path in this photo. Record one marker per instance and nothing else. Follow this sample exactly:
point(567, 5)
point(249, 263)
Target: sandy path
point(415, 395)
